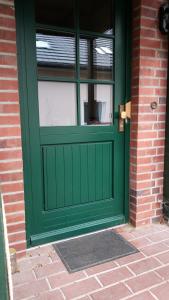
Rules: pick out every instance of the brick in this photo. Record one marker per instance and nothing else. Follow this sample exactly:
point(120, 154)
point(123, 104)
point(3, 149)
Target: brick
point(51, 295)
point(13, 198)
point(10, 120)
point(8, 72)
point(34, 263)
point(11, 187)
point(18, 217)
point(6, 22)
point(115, 276)
point(142, 282)
point(144, 265)
point(161, 292)
point(163, 272)
point(30, 289)
point(151, 250)
point(11, 176)
point(164, 257)
point(49, 269)
point(80, 288)
point(64, 278)
point(16, 227)
point(46, 250)
point(115, 292)
point(9, 108)
point(8, 84)
point(141, 242)
point(10, 143)
point(14, 237)
point(19, 246)
point(9, 96)
point(130, 258)
point(14, 207)
point(159, 236)
point(23, 277)
point(7, 10)
point(7, 59)
point(101, 268)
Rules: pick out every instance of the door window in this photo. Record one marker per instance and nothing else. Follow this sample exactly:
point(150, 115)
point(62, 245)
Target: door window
point(75, 62)
point(96, 16)
point(57, 103)
point(96, 104)
point(56, 54)
point(57, 13)
point(96, 58)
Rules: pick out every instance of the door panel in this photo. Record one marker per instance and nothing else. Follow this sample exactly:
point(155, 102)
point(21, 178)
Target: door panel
point(76, 152)
point(76, 174)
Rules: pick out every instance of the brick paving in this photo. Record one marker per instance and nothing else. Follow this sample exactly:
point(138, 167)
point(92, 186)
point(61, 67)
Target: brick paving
point(142, 276)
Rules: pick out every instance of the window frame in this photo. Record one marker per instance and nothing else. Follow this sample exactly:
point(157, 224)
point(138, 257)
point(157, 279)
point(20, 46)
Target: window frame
point(78, 33)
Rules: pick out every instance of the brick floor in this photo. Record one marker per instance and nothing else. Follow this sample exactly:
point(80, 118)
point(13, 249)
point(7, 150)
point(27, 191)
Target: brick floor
point(144, 275)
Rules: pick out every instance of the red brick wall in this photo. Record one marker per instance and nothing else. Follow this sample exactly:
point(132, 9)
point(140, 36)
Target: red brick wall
point(11, 174)
point(149, 66)
point(149, 81)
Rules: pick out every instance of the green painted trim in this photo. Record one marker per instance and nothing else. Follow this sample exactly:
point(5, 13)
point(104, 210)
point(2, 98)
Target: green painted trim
point(4, 288)
point(69, 30)
point(76, 230)
point(20, 39)
point(65, 79)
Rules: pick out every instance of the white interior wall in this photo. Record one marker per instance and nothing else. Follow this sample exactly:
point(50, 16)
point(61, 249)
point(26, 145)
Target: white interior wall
point(57, 103)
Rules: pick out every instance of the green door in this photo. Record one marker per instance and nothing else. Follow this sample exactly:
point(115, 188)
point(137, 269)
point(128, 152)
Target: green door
point(74, 61)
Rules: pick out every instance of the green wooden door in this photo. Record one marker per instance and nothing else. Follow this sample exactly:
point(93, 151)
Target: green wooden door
point(72, 79)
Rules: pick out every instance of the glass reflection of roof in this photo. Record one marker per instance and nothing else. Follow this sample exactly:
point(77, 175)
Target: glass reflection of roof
point(60, 51)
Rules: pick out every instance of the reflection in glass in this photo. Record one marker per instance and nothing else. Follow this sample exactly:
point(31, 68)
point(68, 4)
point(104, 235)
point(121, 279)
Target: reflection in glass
point(57, 103)
point(96, 55)
point(96, 16)
point(55, 54)
point(57, 13)
point(96, 104)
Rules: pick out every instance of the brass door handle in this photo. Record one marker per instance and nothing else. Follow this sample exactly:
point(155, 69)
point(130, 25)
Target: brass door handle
point(124, 114)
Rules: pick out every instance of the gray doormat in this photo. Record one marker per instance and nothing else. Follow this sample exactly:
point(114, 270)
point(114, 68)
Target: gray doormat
point(91, 250)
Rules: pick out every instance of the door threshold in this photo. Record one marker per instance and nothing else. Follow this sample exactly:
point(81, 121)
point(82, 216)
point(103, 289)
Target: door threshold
point(76, 231)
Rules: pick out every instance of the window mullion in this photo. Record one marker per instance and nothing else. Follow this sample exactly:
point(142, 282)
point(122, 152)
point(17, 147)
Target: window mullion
point(77, 60)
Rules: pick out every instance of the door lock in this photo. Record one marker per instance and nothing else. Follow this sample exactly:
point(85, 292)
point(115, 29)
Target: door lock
point(124, 114)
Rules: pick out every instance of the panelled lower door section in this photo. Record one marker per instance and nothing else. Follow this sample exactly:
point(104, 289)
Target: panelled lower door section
point(76, 174)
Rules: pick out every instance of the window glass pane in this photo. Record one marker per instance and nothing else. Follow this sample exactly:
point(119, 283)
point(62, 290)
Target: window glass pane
point(58, 13)
point(96, 55)
point(96, 16)
point(57, 103)
point(96, 104)
point(55, 54)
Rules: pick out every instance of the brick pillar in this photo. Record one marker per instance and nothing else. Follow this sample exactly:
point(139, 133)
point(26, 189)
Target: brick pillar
point(149, 81)
point(11, 173)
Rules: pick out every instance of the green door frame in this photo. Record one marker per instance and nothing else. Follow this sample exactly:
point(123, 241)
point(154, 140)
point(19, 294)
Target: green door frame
point(4, 289)
point(24, 115)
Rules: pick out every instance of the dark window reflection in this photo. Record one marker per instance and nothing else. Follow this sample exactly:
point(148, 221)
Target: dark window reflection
point(96, 16)
point(55, 54)
point(57, 13)
point(96, 104)
point(96, 55)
